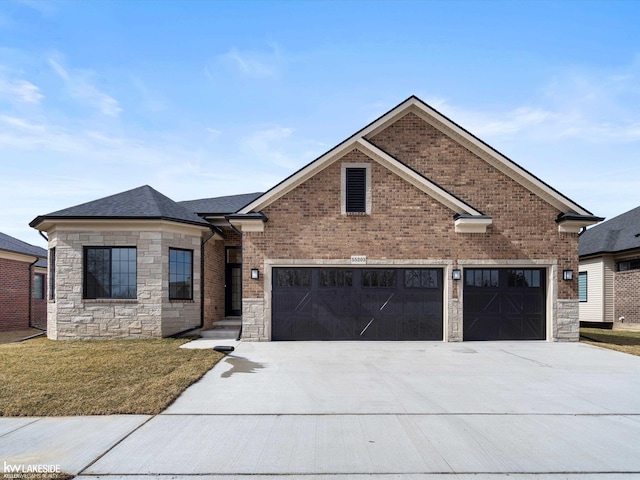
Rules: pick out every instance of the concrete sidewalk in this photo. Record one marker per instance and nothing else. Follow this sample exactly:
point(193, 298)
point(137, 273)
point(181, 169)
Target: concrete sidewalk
point(403, 410)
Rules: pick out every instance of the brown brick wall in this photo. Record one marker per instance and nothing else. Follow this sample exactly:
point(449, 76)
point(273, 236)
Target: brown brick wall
point(214, 303)
point(627, 296)
point(14, 297)
point(406, 223)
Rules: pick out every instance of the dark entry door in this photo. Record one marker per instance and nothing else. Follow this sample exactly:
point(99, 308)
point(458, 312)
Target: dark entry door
point(504, 304)
point(357, 304)
point(233, 281)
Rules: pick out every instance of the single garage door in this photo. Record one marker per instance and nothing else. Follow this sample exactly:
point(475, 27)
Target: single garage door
point(356, 304)
point(504, 304)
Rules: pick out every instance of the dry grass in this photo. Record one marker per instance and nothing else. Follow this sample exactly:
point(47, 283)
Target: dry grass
point(626, 341)
point(42, 377)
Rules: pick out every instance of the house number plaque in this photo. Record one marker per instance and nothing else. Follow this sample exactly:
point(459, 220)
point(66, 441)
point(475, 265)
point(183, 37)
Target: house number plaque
point(358, 259)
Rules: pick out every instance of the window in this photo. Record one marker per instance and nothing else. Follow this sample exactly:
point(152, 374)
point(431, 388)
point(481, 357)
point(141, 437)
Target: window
point(378, 278)
point(180, 274)
point(524, 278)
point(421, 278)
point(52, 273)
point(582, 286)
point(336, 278)
point(293, 277)
point(110, 272)
point(629, 265)
point(38, 286)
point(356, 188)
point(481, 278)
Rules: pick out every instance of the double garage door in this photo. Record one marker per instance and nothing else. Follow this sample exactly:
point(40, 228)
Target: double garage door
point(404, 304)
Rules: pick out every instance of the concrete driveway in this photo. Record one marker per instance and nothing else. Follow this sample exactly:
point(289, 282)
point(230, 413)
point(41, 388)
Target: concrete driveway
point(313, 410)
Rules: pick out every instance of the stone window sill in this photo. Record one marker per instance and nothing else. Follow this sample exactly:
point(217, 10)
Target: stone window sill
point(110, 300)
point(179, 300)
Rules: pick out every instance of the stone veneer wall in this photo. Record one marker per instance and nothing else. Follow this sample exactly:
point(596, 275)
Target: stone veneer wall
point(152, 314)
point(567, 324)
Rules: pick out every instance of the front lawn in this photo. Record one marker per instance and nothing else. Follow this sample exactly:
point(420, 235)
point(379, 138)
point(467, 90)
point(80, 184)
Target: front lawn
point(622, 340)
point(42, 377)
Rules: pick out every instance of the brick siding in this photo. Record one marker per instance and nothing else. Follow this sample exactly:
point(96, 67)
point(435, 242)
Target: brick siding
point(406, 223)
point(214, 277)
point(14, 294)
point(627, 296)
point(14, 298)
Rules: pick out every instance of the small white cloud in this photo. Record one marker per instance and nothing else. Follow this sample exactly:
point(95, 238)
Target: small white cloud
point(279, 147)
point(81, 88)
point(254, 64)
point(20, 91)
point(213, 133)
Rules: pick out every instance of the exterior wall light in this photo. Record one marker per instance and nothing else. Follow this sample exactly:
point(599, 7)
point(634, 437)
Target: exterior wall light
point(567, 274)
point(255, 274)
point(456, 274)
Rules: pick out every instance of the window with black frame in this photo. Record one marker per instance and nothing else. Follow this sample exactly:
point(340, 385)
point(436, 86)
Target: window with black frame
point(38, 286)
point(180, 274)
point(110, 272)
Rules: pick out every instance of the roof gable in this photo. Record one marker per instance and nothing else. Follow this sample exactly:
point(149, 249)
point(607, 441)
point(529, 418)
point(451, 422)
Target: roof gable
point(446, 126)
point(619, 234)
point(372, 151)
point(11, 244)
point(142, 203)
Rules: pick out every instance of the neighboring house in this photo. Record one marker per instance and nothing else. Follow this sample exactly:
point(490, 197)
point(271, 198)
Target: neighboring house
point(411, 229)
point(23, 280)
point(610, 271)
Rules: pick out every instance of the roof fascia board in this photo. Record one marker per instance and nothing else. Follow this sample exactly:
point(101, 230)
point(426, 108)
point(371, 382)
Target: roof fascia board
point(18, 257)
point(414, 178)
point(108, 225)
point(491, 156)
point(627, 252)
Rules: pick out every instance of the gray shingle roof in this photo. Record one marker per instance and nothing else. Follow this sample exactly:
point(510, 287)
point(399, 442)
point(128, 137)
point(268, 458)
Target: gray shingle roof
point(220, 205)
point(142, 203)
point(616, 235)
point(14, 245)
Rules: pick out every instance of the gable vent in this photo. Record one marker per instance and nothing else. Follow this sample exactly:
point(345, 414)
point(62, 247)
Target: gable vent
point(356, 194)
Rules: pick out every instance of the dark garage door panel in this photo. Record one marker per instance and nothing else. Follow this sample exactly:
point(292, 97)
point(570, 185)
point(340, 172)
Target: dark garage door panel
point(504, 304)
point(356, 304)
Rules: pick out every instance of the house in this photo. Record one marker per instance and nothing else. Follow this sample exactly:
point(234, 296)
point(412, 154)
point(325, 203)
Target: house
point(609, 277)
point(410, 229)
point(23, 279)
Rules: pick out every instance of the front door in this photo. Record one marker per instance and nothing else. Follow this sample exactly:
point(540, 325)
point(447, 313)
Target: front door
point(233, 282)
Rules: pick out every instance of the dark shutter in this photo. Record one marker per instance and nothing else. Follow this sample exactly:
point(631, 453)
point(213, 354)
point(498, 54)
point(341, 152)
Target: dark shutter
point(356, 190)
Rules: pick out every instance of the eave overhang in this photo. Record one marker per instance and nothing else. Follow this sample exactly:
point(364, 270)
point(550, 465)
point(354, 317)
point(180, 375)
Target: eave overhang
point(472, 223)
point(572, 222)
point(248, 222)
point(48, 223)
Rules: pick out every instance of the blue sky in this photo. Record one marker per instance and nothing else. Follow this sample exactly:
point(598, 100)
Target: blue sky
point(203, 99)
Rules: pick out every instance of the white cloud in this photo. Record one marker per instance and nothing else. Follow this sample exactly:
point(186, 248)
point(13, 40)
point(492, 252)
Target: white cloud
point(278, 146)
point(19, 91)
point(81, 87)
point(254, 64)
